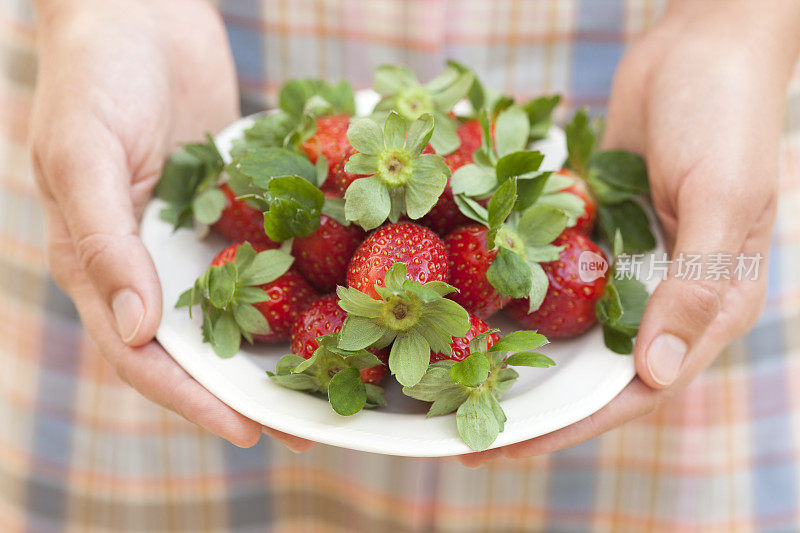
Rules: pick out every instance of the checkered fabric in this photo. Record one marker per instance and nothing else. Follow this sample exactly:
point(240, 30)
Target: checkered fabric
point(80, 451)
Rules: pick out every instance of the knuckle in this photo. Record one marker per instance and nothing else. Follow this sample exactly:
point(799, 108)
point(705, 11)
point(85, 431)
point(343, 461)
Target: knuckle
point(93, 249)
point(701, 301)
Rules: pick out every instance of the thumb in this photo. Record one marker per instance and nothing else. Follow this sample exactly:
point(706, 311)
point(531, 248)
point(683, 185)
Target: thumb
point(90, 181)
point(690, 298)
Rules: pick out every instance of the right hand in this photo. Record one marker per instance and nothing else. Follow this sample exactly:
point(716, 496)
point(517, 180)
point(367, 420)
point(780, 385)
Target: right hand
point(120, 83)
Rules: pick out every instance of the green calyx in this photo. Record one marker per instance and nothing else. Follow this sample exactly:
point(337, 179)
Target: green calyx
point(402, 93)
point(333, 373)
point(621, 306)
point(226, 294)
point(300, 103)
point(616, 178)
point(473, 387)
point(188, 184)
point(414, 318)
point(401, 179)
point(284, 185)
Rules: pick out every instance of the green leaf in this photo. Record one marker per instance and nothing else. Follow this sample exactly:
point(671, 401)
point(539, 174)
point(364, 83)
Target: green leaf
point(542, 254)
point(617, 341)
point(363, 360)
point(375, 397)
point(221, 285)
point(390, 79)
point(517, 164)
point(409, 358)
point(250, 319)
point(359, 332)
point(509, 274)
point(529, 189)
point(359, 163)
point(471, 371)
point(620, 170)
point(519, 340)
point(445, 137)
point(631, 221)
point(365, 136)
point(449, 316)
point(432, 385)
point(476, 421)
point(225, 336)
point(298, 382)
point(539, 285)
point(633, 296)
point(395, 277)
point(567, 202)
point(581, 139)
point(423, 191)
point(541, 224)
point(440, 287)
point(394, 131)
point(305, 364)
point(472, 209)
point(427, 295)
point(367, 203)
point(189, 298)
point(356, 303)
point(419, 134)
point(448, 401)
point(264, 164)
point(287, 363)
point(540, 111)
point(472, 180)
point(334, 208)
point(265, 267)
point(500, 206)
point(251, 295)
point(511, 131)
point(450, 88)
point(346, 392)
point(294, 208)
point(208, 206)
point(529, 359)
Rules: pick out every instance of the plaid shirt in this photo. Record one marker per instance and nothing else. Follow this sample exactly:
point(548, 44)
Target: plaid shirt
point(80, 451)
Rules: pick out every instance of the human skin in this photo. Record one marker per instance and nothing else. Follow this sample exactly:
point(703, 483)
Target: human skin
point(701, 97)
point(120, 82)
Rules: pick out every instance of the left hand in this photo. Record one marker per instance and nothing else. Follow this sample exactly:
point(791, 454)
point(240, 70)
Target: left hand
point(701, 98)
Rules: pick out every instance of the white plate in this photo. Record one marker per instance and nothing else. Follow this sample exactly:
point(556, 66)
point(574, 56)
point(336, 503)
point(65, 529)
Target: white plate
point(586, 377)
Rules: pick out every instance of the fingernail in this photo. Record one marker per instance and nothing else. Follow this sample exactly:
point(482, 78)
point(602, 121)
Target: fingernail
point(128, 311)
point(665, 357)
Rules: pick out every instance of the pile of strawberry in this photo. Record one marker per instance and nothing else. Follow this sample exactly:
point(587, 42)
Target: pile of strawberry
point(381, 245)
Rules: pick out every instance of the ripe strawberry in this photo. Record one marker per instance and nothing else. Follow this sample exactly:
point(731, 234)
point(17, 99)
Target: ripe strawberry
point(323, 256)
point(419, 248)
point(287, 296)
point(445, 215)
point(585, 222)
point(240, 222)
point(324, 317)
point(339, 179)
point(330, 139)
point(460, 345)
point(568, 308)
point(469, 260)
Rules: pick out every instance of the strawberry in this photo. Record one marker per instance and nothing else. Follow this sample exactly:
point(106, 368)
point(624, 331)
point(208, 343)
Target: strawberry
point(419, 248)
point(323, 256)
point(460, 345)
point(469, 259)
point(445, 216)
point(339, 179)
point(248, 292)
point(239, 222)
point(329, 139)
point(568, 308)
point(585, 222)
point(324, 317)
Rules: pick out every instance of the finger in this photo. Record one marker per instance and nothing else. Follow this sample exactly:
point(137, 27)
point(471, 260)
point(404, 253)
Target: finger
point(478, 459)
point(683, 305)
point(296, 444)
point(90, 181)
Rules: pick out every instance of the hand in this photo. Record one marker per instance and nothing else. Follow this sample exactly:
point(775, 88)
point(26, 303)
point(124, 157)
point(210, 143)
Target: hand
point(701, 97)
point(120, 82)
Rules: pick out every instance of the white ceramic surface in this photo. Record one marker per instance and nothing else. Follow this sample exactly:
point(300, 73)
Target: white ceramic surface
point(587, 375)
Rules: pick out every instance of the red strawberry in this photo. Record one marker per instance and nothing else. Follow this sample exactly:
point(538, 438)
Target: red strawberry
point(339, 179)
point(419, 248)
point(323, 256)
point(322, 318)
point(240, 222)
point(445, 216)
point(585, 222)
point(288, 296)
point(330, 139)
point(469, 260)
point(460, 345)
point(568, 306)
